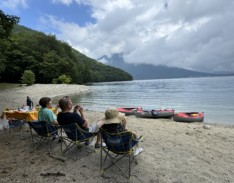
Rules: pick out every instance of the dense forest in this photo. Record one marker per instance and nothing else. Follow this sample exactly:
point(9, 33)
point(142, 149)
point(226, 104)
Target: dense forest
point(23, 49)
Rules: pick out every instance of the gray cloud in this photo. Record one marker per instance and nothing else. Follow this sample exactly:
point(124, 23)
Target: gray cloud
point(192, 34)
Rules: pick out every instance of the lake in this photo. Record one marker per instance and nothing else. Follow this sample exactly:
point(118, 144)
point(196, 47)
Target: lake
point(212, 95)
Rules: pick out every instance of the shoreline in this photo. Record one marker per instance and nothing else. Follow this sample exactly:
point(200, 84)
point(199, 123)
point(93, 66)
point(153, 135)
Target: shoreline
point(13, 98)
point(173, 151)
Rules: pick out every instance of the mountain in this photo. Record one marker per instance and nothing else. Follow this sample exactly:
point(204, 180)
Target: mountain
point(51, 60)
point(147, 71)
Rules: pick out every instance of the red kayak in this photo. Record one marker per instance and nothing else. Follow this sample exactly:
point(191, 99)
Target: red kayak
point(128, 110)
point(189, 117)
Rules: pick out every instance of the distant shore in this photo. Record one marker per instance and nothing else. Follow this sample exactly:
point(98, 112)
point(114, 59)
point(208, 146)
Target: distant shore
point(13, 98)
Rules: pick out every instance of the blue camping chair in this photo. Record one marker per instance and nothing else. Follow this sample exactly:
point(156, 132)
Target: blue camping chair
point(76, 137)
point(16, 123)
point(44, 131)
point(118, 146)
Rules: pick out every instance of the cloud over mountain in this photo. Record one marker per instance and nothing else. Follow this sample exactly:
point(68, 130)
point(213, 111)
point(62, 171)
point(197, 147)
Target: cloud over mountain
point(191, 34)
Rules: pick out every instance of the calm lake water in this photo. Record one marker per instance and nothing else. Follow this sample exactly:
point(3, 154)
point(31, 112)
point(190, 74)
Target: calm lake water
point(212, 95)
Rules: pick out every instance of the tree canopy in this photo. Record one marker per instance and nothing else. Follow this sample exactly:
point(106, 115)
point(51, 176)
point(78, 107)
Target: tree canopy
point(7, 23)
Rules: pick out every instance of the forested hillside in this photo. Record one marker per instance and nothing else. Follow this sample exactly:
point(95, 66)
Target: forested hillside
point(48, 59)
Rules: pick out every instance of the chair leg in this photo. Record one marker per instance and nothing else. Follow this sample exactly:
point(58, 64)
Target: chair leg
point(31, 135)
point(101, 165)
point(76, 152)
point(41, 142)
point(22, 123)
point(129, 165)
point(21, 136)
point(114, 162)
point(68, 147)
point(50, 148)
point(61, 138)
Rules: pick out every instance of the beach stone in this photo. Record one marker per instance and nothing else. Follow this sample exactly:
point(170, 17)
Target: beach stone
point(4, 171)
point(207, 127)
point(189, 133)
point(24, 175)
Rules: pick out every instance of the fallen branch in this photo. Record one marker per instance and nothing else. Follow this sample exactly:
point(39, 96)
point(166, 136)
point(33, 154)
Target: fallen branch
point(204, 160)
point(52, 174)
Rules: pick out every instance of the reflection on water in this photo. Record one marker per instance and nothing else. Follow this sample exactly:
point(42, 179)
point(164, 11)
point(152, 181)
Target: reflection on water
point(214, 96)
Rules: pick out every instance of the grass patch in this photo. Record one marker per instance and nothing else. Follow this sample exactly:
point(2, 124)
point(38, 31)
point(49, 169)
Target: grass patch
point(4, 86)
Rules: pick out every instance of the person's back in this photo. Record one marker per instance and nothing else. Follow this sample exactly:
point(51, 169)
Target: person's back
point(115, 122)
point(66, 118)
point(113, 128)
point(45, 114)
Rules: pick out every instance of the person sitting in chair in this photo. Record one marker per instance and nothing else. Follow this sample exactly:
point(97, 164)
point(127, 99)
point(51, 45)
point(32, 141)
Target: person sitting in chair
point(45, 114)
point(67, 117)
point(115, 122)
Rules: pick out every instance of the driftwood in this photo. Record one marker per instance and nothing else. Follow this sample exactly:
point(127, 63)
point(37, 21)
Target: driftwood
point(52, 174)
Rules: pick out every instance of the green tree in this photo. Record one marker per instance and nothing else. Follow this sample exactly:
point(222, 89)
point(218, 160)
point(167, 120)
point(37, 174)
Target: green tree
point(28, 77)
point(64, 79)
point(2, 62)
point(53, 66)
point(97, 77)
point(7, 23)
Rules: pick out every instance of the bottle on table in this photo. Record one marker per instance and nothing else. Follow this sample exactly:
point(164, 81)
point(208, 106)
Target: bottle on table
point(29, 103)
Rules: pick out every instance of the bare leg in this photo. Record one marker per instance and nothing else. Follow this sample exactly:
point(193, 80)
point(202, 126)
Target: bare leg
point(100, 123)
point(99, 136)
point(124, 123)
point(135, 136)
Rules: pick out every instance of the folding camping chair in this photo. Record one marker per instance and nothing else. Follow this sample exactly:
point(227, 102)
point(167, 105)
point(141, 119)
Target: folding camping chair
point(16, 123)
point(76, 137)
point(118, 146)
point(44, 131)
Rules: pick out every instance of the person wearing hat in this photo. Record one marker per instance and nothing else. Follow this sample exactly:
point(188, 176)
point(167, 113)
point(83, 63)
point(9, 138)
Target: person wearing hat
point(115, 122)
point(66, 117)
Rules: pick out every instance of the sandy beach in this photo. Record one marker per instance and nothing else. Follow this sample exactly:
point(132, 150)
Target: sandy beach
point(173, 152)
point(14, 98)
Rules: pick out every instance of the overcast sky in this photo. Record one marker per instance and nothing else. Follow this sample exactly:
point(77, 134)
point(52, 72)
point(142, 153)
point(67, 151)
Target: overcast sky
point(191, 34)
